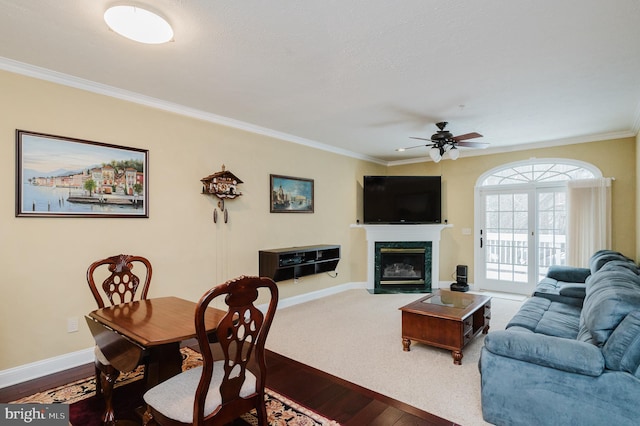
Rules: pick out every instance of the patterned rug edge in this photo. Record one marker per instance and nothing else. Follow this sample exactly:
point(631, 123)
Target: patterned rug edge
point(84, 388)
point(277, 412)
point(277, 404)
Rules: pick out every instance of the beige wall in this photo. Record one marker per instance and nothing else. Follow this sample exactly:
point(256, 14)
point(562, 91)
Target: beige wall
point(615, 158)
point(637, 193)
point(44, 260)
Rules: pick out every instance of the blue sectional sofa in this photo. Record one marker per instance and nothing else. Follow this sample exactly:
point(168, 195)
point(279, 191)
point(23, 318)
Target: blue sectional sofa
point(560, 362)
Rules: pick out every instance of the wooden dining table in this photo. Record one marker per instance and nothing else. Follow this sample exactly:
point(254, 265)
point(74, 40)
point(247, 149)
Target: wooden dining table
point(152, 328)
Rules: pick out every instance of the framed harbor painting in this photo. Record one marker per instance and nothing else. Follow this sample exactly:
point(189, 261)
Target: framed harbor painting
point(65, 177)
point(291, 194)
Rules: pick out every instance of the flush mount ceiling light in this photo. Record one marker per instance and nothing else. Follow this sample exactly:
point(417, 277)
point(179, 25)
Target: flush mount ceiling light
point(138, 24)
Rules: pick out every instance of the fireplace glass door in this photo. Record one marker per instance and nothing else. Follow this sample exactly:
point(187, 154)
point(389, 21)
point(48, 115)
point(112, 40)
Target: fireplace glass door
point(403, 266)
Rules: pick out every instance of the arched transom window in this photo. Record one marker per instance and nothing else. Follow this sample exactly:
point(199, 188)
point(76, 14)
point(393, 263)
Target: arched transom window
point(538, 171)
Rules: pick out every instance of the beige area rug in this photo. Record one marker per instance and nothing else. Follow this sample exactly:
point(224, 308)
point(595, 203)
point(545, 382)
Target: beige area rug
point(356, 335)
point(281, 411)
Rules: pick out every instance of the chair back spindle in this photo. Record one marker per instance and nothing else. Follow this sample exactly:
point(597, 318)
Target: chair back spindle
point(121, 283)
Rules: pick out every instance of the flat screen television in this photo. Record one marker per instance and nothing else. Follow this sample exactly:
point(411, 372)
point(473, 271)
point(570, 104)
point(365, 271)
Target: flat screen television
point(402, 199)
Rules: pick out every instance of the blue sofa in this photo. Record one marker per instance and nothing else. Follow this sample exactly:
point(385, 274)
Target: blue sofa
point(567, 284)
point(560, 363)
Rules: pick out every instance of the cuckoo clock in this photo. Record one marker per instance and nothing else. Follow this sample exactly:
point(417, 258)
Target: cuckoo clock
point(224, 185)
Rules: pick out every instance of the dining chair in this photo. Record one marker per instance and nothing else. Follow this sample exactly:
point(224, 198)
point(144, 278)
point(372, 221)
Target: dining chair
point(112, 281)
point(222, 389)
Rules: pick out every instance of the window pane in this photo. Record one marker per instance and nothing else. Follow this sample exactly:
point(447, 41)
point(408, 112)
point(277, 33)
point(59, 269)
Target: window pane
point(492, 220)
point(506, 202)
point(521, 202)
point(492, 203)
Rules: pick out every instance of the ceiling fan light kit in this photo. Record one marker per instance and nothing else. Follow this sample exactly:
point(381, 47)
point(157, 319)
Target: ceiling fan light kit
point(443, 142)
point(435, 154)
point(454, 153)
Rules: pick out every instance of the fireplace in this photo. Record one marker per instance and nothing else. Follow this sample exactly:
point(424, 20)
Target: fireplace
point(402, 266)
point(401, 243)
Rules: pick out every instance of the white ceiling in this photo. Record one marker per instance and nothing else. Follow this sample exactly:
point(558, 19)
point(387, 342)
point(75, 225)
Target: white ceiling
point(357, 76)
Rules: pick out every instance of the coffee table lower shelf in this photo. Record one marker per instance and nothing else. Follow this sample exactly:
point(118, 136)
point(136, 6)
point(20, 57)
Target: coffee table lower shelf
point(445, 319)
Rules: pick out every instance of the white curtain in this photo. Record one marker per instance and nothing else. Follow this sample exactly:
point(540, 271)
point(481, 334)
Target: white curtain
point(588, 219)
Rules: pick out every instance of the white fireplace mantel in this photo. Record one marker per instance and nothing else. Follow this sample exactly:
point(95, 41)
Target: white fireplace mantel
point(399, 233)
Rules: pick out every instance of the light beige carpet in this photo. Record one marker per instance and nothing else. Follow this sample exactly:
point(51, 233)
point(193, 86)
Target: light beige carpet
point(356, 335)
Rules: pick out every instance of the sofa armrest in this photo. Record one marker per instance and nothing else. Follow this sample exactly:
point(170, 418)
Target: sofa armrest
point(574, 290)
point(569, 274)
point(549, 351)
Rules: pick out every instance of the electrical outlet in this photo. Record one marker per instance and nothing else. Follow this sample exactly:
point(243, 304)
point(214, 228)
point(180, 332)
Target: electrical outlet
point(72, 324)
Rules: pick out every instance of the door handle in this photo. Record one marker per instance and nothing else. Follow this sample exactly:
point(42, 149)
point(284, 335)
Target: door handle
point(480, 242)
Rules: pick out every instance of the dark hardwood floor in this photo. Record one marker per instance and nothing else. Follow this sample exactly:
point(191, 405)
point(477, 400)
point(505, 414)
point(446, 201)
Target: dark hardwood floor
point(337, 399)
point(340, 400)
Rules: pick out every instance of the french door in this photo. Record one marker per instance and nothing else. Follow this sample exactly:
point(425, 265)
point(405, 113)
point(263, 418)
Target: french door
point(522, 232)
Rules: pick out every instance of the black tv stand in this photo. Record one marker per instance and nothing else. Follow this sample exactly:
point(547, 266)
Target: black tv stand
point(294, 262)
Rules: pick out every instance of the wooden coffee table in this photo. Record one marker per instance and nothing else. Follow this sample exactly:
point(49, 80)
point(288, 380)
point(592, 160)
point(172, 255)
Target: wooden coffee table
point(446, 319)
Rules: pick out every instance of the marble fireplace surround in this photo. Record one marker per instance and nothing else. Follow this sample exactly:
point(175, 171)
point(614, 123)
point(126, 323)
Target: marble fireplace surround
point(404, 233)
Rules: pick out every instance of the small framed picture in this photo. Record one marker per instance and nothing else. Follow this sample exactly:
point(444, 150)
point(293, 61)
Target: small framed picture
point(64, 177)
point(291, 194)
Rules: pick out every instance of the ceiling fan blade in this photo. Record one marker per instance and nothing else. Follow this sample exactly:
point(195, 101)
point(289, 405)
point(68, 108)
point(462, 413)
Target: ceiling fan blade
point(422, 139)
point(473, 144)
point(467, 136)
point(410, 147)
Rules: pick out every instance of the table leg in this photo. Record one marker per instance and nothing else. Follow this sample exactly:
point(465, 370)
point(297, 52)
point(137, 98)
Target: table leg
point(165, 361)
point(108, 379)
point(406, 344)
point(457, 357)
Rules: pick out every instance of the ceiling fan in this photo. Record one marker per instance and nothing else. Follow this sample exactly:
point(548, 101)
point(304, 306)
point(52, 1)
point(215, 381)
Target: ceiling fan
point(443, 141)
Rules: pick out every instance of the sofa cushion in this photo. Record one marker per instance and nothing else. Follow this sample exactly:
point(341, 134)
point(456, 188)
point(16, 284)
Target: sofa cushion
point(602, 257)
point(571, 297)
point(624, 264)
point(549, 351)
point(622, 350)
point(568, 274)
point(547, 285)
point(530, 313)
point(559, 324)
point(621, 269)
point(584, 335)
point(541, 315)
point(611, 294)
point(574, 290)
point(550, 287)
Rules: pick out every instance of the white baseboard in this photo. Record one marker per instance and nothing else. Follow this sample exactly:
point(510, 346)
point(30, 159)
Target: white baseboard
point(35, 370)
point(307, 297)
point(45, 367)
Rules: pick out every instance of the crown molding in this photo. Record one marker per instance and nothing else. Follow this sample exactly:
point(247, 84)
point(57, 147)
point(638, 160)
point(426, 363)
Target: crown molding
point(114, 92)
point(636, 122)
